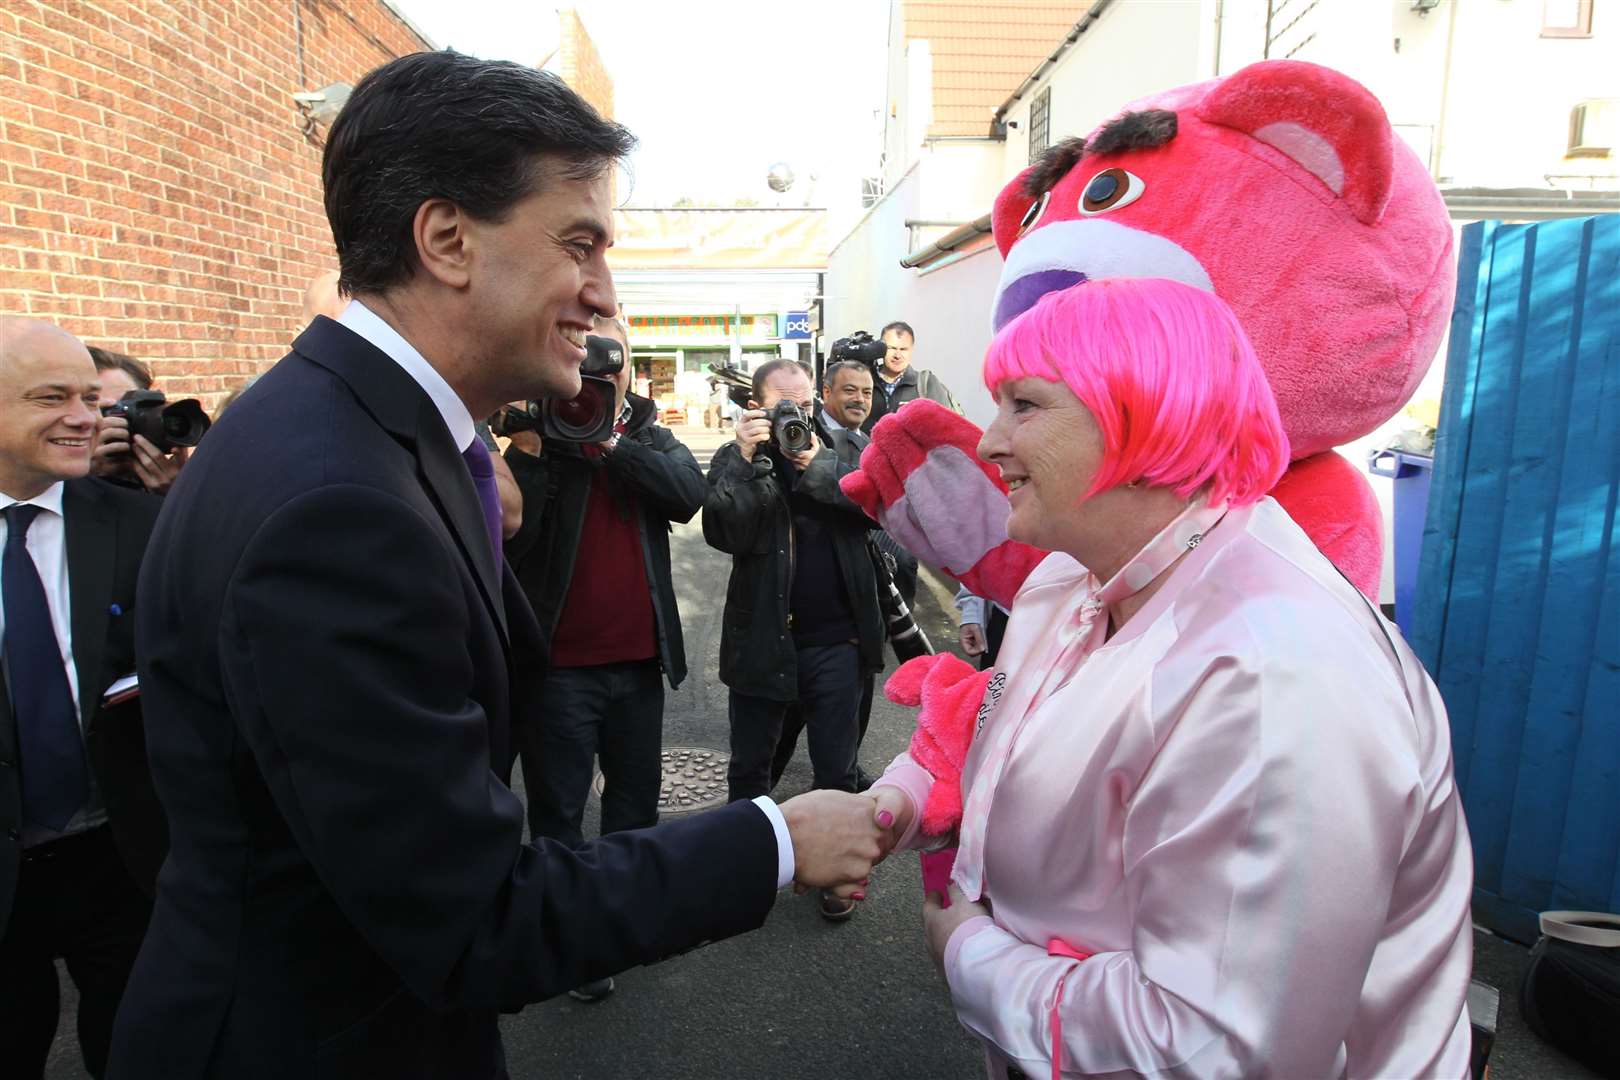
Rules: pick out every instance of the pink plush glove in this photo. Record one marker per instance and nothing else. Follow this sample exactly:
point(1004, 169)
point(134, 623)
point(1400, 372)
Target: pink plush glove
point(950, 692)
point(922, 480)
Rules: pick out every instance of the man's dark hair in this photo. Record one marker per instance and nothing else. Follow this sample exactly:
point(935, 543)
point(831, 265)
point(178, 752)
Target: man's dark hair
point(771, 367)
point(107, 360)
point(842, 365)
point(448, 126)
point(904, 328)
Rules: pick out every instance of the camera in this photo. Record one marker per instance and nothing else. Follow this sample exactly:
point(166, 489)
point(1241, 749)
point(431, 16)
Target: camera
point(860, 347)
point(165, 425)
point(790, 428)
point(588, 416)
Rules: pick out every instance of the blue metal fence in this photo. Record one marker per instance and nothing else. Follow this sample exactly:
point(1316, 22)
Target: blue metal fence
point(1518, 605)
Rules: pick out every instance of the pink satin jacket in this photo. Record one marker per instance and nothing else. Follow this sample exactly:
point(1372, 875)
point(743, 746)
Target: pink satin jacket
point(1242, 806)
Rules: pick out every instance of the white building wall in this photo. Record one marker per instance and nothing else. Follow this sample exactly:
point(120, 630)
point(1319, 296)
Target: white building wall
point(1136, 48)
point(949, 307)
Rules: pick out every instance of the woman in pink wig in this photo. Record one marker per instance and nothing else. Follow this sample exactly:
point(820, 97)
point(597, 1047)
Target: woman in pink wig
point(1209, 826)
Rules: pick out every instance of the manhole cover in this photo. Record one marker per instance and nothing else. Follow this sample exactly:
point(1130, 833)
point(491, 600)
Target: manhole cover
point(694, 779)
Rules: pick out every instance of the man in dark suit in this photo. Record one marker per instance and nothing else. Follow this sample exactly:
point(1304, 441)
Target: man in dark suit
point(79, 825)
point(334, 655)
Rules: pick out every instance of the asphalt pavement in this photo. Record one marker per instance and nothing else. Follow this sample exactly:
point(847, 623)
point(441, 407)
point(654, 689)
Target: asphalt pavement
point(801, 998)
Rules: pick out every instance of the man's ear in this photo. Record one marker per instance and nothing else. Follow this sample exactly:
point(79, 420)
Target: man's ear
point(440, 231)
point(752, 404)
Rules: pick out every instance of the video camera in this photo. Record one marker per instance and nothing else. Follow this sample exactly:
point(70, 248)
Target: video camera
point(165, 425)
point(860, 346)
point(588, 416)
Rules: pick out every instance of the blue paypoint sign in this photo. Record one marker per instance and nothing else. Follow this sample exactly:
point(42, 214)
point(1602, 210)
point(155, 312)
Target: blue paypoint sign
point(796, 326)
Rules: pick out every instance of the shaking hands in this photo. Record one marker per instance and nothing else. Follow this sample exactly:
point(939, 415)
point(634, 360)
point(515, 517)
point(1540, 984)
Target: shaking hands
point(839, 837)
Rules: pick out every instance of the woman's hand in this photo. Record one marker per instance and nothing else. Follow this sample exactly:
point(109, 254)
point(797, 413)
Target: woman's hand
point(893, 816)
point(940, 922)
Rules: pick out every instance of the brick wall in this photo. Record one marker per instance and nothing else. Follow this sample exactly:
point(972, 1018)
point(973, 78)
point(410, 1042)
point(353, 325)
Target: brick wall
point(157, 193)
point(579, 64)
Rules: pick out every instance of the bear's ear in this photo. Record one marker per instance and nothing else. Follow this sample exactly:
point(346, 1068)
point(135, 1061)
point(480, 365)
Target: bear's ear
point(1327, 122)
point(1008, 215)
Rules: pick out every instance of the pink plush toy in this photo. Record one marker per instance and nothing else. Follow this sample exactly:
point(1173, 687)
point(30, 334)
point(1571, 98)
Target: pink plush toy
point(1283, 189)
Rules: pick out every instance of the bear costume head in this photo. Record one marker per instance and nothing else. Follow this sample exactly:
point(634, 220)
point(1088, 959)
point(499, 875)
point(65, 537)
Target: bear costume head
point(1283, 189)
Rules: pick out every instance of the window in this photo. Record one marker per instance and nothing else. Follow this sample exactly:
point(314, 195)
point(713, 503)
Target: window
point(1594, 128)
point(1040, 124)
point(1566, 18)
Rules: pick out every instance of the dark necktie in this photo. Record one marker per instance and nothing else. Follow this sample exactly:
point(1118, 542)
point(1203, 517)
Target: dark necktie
point(489, 497)
point(55, 782)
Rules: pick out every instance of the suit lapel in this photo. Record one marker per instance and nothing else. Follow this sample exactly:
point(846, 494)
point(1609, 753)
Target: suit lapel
point(404, 409)
point(92, 546)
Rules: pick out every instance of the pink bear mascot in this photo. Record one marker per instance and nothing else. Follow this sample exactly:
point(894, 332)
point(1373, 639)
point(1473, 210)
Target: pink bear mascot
point(1281, 188)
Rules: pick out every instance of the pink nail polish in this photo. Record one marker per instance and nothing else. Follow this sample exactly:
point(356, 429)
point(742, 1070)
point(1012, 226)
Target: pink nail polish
point(885, 818)
point(857, 896)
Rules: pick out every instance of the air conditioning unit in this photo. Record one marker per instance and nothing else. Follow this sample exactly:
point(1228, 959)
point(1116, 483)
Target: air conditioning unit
point(1594, 128)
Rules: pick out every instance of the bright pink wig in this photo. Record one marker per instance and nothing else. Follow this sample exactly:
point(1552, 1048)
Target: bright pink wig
point(1168, 375)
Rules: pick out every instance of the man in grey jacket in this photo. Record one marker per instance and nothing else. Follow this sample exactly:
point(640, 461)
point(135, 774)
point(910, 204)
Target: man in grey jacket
point(899, 382)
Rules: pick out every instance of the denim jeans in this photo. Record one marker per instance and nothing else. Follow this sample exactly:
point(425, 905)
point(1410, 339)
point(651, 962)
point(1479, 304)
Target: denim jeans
point(611, 711)
point(830, 682)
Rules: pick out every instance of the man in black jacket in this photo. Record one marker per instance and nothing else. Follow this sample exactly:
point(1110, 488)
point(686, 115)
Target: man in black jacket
point(334, 653)
point(81, 833)
point(802, 622)
point(592, 556)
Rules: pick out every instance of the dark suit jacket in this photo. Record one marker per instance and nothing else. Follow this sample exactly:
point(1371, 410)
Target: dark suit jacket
point(333, 661)
point(107, 527)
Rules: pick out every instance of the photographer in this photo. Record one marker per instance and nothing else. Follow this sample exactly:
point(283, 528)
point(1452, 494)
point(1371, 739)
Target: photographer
point(592, 555)
point(117, 455)
point(802, 622)
point(899, 381)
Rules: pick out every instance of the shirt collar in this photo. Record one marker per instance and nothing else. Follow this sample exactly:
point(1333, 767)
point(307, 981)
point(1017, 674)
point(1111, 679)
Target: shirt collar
point(49, 499)
point(369, 325)
point(831, 421)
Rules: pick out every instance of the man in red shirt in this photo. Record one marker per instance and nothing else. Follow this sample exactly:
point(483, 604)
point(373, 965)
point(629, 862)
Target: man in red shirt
point(592, 555)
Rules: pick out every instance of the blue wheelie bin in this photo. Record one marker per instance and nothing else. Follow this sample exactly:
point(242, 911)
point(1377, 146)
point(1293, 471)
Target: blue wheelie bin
point(1411, 473)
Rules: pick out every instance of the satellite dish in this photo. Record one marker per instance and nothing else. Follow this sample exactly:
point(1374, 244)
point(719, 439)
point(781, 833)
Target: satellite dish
point(780, 177)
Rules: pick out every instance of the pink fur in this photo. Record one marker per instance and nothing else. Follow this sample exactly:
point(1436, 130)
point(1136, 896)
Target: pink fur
point(1168, 375)
point(948, 691)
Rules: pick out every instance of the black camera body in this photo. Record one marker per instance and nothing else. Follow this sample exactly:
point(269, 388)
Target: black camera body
point(588, 416)
point(860, 347)
point(791, 430)
point(165, 424)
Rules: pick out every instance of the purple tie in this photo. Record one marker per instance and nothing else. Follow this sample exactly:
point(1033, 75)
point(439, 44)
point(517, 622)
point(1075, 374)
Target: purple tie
point(489, 497)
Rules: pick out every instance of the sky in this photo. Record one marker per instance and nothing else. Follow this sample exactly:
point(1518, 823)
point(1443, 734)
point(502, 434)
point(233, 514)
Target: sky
point(716, 91)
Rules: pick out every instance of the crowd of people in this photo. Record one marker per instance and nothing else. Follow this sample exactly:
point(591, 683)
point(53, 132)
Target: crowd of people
point(263, 698)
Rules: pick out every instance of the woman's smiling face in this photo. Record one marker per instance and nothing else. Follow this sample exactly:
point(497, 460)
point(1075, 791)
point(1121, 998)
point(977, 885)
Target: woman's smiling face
point(1049, 450)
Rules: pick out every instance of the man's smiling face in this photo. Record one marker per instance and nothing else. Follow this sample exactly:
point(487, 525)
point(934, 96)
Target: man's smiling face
point(540, 279)
point(48, 406)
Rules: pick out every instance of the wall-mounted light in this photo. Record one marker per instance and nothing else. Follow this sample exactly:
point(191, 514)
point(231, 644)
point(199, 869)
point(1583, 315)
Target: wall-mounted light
point(322, 106)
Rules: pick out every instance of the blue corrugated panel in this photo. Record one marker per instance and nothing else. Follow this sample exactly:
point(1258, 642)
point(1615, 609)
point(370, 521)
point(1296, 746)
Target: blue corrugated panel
point(1518, 595)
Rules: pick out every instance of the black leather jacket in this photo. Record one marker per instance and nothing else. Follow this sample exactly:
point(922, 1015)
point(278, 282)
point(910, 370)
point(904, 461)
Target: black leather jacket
point(747, 515)
point(668, 486)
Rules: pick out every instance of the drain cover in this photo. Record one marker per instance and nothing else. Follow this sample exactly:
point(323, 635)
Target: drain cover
point(694, 779)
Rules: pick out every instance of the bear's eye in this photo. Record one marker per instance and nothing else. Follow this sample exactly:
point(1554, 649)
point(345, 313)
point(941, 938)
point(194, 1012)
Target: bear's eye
point(1110, 190)
point(1033, 214)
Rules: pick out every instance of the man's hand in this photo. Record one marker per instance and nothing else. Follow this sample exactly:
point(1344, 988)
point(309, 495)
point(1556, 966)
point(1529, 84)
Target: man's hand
point(836, 840)
point(894, 814)
point(110, 453)
point(972, 638)
point(157, 471)
point(752, 429)
point(801, 461)
point(940, 922)
point(526, 441)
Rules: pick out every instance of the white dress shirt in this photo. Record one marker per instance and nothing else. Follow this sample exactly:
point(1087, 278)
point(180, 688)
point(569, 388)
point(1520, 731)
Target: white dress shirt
point(47, 546)
point(365, 322)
